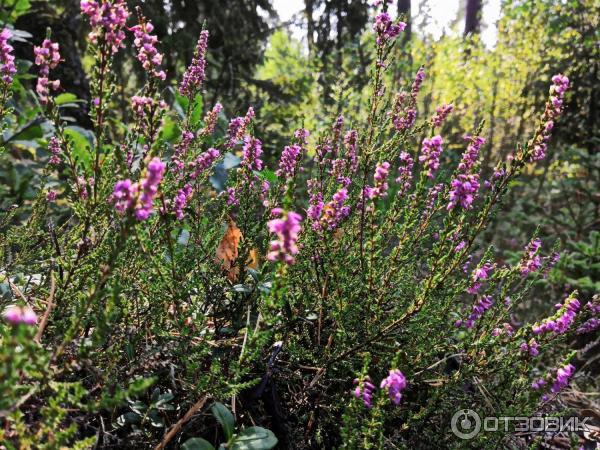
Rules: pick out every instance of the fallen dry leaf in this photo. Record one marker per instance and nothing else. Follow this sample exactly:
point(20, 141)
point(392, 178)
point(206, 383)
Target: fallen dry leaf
point(227, 251)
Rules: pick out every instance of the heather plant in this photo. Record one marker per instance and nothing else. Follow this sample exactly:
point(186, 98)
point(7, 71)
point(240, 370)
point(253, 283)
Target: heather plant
point(340, 299)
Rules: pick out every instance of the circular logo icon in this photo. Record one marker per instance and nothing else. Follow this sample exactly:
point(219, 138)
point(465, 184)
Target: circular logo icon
point(465, 424)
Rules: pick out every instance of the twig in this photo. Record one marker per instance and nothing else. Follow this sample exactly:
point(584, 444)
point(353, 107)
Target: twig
point(177, 427)
point(49, 306)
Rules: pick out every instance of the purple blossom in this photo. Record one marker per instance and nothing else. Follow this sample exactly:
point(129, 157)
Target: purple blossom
point(183, 196)
point(563, 376)
point(47, 57)
point(7, 59)
point(210, 120)
point(55, 150)
point(441, 112)
point(471, 154)
point(380, 189)
point(395, 383)
point(315, 204)
point(148, 55)
point(405, 169)
point(463, 190)
point(180, 150)
point(286, 227)
point(335, 211)
point(531, 261)
point(16, 315)
point(149, 188)
point(431, 150)
point(364, 390)
point(238, 126)
point(107, 19)
point(302, 135)
point(532, 347)
point(561, 321)
point(560, 84)
point(51, 196)
point(351, 144)
point(478, 311)
point(203, 162)
point(194, 75)
point(124, 195)
point(387, 30)
point(589, 326)
point(231, 197)
point(251, 154)
point(290, 157)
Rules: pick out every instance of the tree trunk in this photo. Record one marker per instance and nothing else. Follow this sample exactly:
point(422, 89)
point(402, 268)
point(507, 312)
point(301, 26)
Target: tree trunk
point(404, 10)
point(310, 27)
point(473, 17)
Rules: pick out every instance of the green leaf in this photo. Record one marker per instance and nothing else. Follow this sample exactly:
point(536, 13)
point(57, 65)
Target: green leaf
point(65, 98)
point(82, 144)
point(197, 444)
point(224, 417)
point(254, 438)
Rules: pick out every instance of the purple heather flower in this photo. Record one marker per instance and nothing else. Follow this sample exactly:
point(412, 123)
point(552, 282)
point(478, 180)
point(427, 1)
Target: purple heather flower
point(47, 57)
point(471, 154)
point(16, 315)
point(380, 189)
point(194, 75)
point(531, 261)
point(231, 197)
point(537, 384)
point(203, 162)
point(290, 157)
point(315, 204)
point(405, 176)
point(479, 310)
point(148, 55)
point(563, 376)
point(183, 196)
point(7, 59)
point(589, 326)
point(251, 154)
point(532, 347)
point(562, 320)
point(238, 126)
point(286, 227)
point(560, 84)
point(395, 383)
point(149, 188)
point(441, 112)
point(124, 195)
point(335, 211)
point(387, 30)
point(463, 191)
point(210, 120)
point(51, 196)
point(351, 144)
point(180, 150)
point(430, 154)
point(302, 135)
point(55, 150)
point(107, 19)
point(364, 390)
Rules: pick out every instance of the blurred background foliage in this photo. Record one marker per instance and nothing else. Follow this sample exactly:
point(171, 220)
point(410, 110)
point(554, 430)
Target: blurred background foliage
point(255, 59)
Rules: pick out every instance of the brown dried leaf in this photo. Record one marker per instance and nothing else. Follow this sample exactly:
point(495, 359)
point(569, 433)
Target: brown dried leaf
point(227, 251)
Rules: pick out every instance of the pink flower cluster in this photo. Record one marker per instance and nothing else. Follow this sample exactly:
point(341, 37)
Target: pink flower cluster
point(183, 196)
point(290, 157)
point(593, 323)
point(195, 73)
point(441, 112)
point(55, 150)
point(560, 84)
point(531, 261)
point(335, 211)
point(210, 120)
point(16, 315)
point(148, 55)
point(364, 390)
point(238, 126)
point(139, 196)
point(387, 30)
point(403, 121)
point(203, 162)
point(351, 144)
point(47, 56)
point(107, 18)
point(479, 310)
point(532, 347)
point(395, 383)
point(287, 227)
point(380, 189)
point(7, 59)
point(463, 190)
point(562, 320)
point(431, 150)
point(251, 153)
point(405, 176)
